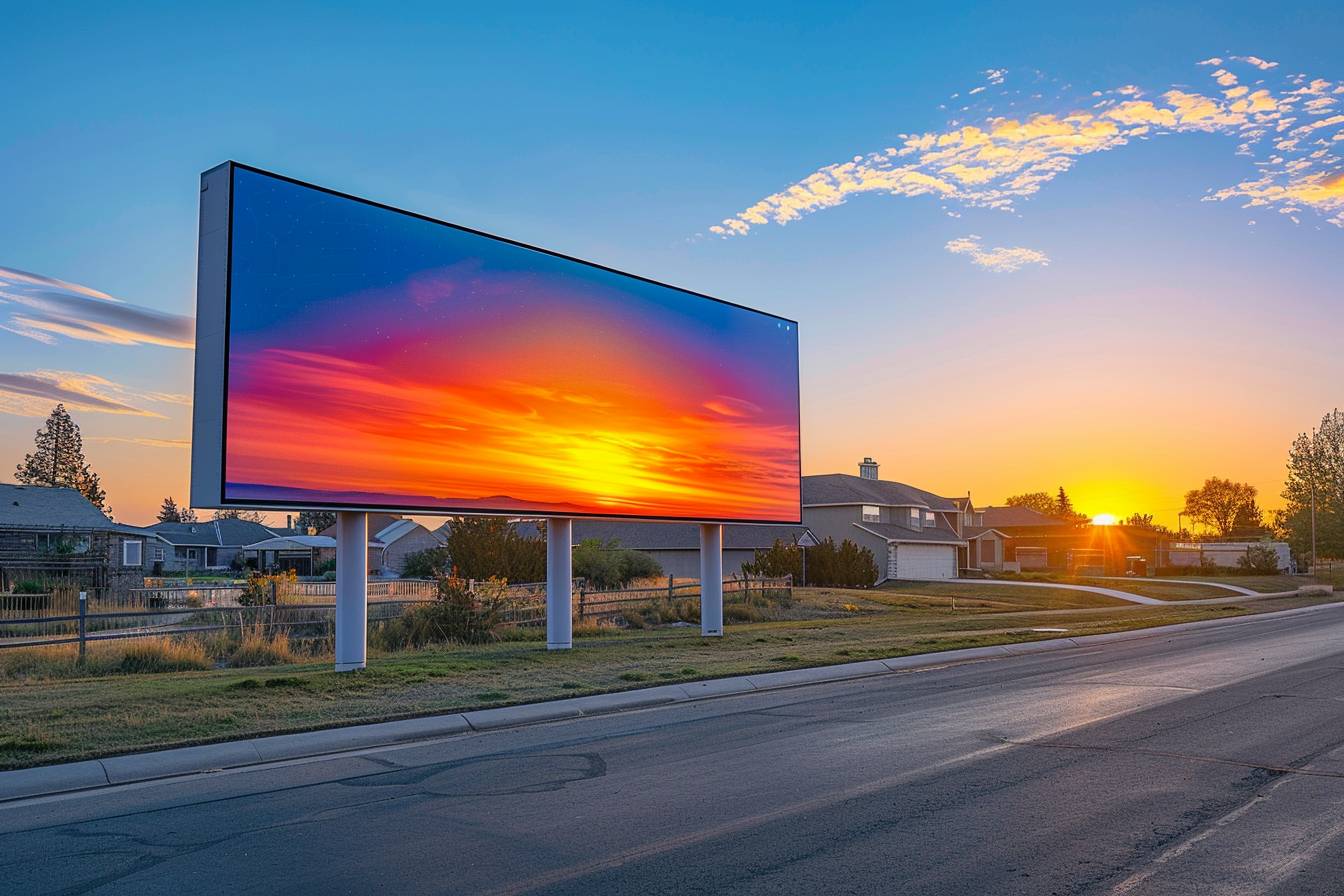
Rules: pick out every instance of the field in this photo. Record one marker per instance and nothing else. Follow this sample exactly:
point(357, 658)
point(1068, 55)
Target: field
point(48, 716)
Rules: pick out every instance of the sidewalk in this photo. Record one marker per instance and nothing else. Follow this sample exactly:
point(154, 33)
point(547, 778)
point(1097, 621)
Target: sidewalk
point(117, 770)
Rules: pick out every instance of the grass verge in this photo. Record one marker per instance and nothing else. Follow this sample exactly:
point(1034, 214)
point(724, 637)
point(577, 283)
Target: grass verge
point(52, 719)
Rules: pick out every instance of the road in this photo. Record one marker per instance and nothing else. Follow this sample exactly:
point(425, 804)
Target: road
point(1208, 761)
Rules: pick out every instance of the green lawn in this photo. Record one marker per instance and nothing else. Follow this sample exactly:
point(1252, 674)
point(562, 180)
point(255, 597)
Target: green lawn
point(46, 720)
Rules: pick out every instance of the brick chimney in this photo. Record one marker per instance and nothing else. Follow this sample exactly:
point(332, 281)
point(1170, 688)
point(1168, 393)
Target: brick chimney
point(868, 469)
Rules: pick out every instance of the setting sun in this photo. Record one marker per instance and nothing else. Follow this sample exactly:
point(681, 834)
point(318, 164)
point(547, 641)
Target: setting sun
point(1104, 519)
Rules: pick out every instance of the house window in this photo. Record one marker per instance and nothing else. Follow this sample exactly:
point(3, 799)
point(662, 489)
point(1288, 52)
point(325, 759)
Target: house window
point(929, 521)
point(872, 513)
point(61, 543)
point(156, 553)
point(968, 519)
point(132, 553)
point(914, 517)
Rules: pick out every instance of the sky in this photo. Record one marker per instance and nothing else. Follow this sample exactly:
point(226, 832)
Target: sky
point(378, 359)
point(1027, 245)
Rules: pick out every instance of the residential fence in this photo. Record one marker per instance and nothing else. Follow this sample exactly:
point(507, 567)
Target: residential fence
point(67, 616)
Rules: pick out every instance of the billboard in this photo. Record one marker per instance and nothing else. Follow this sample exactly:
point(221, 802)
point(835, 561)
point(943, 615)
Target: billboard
point(355, 356)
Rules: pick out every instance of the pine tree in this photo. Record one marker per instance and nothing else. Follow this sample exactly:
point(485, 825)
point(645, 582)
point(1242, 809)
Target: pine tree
point(1064, 505)
point(169, 512)
point(57, 460)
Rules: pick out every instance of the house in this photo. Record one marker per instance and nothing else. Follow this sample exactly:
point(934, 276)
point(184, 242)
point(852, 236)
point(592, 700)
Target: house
point(1037, 541)
point(913, 534)
point(209, 545)
point(57, 534)
point(986, 546)
point(305, 554)
point(393, 538)
point(676, 546)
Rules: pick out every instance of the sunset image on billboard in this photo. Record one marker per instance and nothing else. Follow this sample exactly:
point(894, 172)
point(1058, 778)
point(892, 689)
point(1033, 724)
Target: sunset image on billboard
point(377, 359)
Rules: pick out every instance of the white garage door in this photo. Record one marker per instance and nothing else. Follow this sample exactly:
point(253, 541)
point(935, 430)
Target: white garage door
point(921, 561)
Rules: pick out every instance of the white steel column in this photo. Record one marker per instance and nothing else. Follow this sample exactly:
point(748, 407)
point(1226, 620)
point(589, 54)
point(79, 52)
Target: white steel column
point(352, 589)
point(559, 584)
point(711, 580)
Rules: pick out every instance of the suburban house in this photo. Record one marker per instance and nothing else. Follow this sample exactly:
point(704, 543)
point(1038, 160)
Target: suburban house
point(913, 534)
point(986, 546)
point(305, 554)
point(676, 546)
point(209, 545)
point(392, 538)
point(51, 534)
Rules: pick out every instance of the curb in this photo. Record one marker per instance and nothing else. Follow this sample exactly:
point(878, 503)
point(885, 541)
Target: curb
point(180, 761)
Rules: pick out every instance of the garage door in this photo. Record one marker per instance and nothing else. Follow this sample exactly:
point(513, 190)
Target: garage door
point(922, 561)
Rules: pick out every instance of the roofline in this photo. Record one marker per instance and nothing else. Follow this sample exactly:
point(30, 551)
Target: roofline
point(879, 504)
point(890, 540)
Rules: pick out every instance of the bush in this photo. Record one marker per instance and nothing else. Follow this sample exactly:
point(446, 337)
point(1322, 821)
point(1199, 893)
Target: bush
point(607, 565)
point(257, 649)
point(427, 564)
point(459, 615)
point(783, 558)
point(1259, 560)
point(30, 586)
point(485, 547)
point(261, 588)
point(845, 566)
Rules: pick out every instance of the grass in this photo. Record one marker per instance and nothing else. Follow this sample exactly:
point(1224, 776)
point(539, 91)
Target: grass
point(46, 718)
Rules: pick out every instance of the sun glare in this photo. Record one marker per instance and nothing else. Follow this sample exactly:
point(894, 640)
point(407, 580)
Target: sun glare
point(1104, 519)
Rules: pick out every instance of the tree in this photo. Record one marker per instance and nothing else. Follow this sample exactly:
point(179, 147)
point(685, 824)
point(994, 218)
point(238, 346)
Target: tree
point(483, 547)
point(783, 558)
point(1220, 503)
point(427, 564)
point(1041, 502)
point(1315, 467)
point(57, 460)
point(170, 512)
point(608, 565)
point(1140, 521)
point(315, 521)
point(845, 565)
point(252, 516)
point(1064, 505)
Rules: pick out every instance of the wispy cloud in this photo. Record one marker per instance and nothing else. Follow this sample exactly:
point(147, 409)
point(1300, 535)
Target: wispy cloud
point(145, 442)
point(34, 393)
point(45, 309)
point(998, 161)
point(1003, 259)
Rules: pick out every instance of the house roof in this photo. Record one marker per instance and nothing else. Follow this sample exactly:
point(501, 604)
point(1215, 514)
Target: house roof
point(394, 530)
point(673, 536)
point(37, 507)
point(1017, 516)
point(963, 503)
point(973, 532)
point(212, 533)
point(899, 534)
point(842, 488)
point(294, 543)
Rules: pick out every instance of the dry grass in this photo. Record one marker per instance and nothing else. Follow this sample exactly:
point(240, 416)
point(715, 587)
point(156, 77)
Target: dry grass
point(61, 718)
point(256, 648)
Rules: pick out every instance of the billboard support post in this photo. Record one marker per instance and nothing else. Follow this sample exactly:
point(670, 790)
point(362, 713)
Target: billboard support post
point(352, 589)
point(559, 584)
point(711, 580)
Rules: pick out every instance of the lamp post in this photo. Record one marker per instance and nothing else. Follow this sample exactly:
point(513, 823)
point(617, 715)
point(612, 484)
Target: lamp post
point(1311, 469)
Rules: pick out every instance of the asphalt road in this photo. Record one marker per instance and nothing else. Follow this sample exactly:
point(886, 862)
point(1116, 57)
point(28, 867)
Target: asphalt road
point(1209, 762)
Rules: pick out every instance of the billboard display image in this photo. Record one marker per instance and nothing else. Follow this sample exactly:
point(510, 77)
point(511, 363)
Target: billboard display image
point(377, 359)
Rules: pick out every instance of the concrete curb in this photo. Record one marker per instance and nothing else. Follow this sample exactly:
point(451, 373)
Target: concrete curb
point(91, 774)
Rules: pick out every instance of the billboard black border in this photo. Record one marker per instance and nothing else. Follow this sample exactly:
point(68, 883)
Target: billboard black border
point(224, 501)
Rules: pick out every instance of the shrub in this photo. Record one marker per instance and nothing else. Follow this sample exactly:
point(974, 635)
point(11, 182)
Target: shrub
point(262, 588)
point(1259, 560)
point(427, 564)
point(486, 547)
point(258, 649)
point(608, 565)
point(783, 558)
point(458, 615)
point(845, 566)
point(30, 586)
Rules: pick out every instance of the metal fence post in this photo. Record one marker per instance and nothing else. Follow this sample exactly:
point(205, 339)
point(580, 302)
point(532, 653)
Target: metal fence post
point(83, 621)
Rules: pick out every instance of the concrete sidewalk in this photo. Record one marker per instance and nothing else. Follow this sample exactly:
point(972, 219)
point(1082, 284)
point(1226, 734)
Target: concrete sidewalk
point(117, 770)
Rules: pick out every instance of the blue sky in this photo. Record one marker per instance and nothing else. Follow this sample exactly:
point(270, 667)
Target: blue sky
point(623, 135)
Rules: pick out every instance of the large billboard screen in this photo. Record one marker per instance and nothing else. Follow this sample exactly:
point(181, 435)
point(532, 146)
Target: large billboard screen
point(351, 355)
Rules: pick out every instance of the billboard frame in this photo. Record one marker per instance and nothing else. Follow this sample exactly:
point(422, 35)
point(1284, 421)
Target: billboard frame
point(213, 308)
